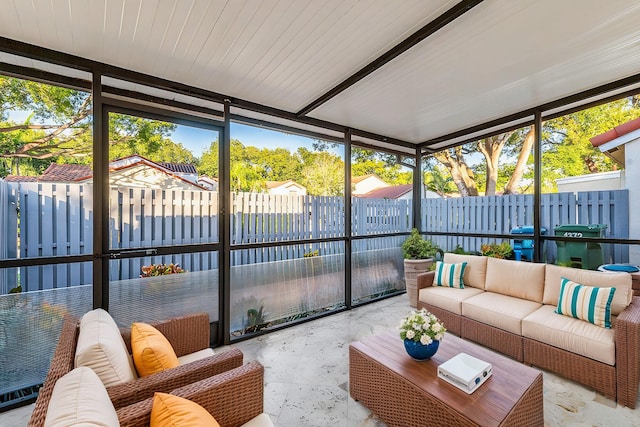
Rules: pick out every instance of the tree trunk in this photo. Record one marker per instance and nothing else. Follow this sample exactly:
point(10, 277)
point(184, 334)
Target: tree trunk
point(491, 148)
point(453, 160)
point(523, 157)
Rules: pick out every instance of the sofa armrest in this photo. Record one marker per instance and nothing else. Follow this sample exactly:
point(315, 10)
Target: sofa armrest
point(627, 336)
point(233, 398)
point(62, 363)
point(424, 280)
point(187, 334)
point(125, 394)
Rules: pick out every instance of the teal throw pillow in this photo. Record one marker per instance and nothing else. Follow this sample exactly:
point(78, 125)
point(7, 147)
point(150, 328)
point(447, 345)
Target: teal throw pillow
point(588, 303)
point(449, 275)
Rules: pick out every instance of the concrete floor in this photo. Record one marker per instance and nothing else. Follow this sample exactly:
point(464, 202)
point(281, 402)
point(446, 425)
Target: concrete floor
point(306, 376)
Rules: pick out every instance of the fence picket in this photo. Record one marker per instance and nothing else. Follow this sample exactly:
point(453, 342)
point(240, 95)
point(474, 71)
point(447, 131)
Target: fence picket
point(56, 219)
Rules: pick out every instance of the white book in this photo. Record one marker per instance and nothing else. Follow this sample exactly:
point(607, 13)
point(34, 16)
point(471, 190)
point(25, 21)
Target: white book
point(465, 372)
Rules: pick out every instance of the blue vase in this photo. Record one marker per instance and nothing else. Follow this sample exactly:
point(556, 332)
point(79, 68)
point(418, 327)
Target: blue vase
point(419, 351)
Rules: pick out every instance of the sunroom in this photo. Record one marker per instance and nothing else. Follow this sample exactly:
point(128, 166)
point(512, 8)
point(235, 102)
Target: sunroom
point(227, 143)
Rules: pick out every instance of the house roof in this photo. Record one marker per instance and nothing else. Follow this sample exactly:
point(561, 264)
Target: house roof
point(179, 167)
point(395, 76)
point(275, 184)
point(390, 192)
point(616, 132)
point(357, 179)
point(70, 173)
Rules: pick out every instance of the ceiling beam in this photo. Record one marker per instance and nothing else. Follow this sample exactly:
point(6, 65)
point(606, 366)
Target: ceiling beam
point(441, 21)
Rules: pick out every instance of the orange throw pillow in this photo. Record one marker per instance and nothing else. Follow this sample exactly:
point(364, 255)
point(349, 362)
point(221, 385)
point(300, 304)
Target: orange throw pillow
point(152, 352)
point(169, 411)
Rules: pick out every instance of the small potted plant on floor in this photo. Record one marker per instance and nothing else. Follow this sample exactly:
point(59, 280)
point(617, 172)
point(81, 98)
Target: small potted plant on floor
point(418, 258)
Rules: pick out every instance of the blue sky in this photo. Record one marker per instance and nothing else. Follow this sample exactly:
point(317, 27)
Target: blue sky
point(198, 140)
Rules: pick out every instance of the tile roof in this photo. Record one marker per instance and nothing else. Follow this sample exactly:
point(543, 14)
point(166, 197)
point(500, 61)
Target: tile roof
point(179, 167)
point(391, 192)
point(65, 173)
point(616, 132)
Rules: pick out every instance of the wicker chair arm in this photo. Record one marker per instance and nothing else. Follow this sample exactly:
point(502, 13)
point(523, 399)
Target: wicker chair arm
point(425, 279)
point(627, 337)
point(125, 394)
point(187, 334)
point(233, 398)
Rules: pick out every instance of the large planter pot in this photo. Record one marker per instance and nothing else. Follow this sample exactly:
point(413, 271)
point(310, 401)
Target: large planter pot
point(413, 267)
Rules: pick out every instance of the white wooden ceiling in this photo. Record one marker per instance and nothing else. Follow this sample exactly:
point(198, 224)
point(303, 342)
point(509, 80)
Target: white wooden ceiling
point(501, 57)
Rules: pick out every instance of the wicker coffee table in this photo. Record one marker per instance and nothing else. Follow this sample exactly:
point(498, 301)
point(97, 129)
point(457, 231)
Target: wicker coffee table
point(405, 392)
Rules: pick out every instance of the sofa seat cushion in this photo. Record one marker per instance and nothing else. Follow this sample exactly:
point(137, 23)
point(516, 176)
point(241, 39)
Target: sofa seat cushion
point(101, 347)
point(500, 311)
point(198, 355)
point(449, 299)
point(476, 270)
point(621, 281)
point(574, 335)
point(517, 279)
point(80, 399)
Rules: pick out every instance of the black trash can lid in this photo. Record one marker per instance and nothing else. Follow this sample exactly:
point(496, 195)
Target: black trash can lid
point(628, 268)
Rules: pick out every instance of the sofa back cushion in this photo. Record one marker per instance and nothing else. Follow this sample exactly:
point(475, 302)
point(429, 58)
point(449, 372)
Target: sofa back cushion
point(475, 271)
point(80, 399)
point(514, 278)
point(620, 281)
point(101, 348)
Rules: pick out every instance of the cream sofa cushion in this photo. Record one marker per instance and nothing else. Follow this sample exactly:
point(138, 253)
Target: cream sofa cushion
point(515, 278)
point(449, 299)
point(476, 270)
point(198, 355)
point(501, 311)
point(621, 281)
point(80, 399)
point(262, 420)
point(574, 335)
point(101, 348)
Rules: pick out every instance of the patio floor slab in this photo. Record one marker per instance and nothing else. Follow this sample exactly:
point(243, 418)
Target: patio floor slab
point(307, 370)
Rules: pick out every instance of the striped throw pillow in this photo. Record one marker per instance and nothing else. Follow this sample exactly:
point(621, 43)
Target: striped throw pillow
point(588, 303)
point(449, 275)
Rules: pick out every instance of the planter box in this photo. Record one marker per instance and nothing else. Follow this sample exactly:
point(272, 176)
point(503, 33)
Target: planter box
point(413, 267)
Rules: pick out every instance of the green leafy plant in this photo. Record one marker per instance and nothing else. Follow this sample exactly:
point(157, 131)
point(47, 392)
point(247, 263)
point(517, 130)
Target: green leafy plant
point(502, 250)
point(311, 254)
point(160, 270)
point(459, 250)
point(415, 247)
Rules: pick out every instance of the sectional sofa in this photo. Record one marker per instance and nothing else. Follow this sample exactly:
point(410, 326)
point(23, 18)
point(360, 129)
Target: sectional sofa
point(510, 306)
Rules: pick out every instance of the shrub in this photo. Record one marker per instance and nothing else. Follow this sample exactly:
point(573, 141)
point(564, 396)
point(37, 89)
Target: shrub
point(415, 247)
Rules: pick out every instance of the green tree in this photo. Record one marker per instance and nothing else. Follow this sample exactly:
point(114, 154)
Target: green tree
point(322, 173)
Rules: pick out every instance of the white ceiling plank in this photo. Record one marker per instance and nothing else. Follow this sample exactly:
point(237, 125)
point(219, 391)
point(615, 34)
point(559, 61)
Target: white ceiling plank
point(10, 18)
point(494, 60)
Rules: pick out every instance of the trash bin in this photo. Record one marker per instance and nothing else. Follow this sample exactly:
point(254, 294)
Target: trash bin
point(588, 256)
point(523, 248)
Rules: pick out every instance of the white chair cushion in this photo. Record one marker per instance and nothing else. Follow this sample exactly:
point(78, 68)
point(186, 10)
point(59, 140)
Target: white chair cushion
point(80, 399)
point(101, 348)
point(262, 420)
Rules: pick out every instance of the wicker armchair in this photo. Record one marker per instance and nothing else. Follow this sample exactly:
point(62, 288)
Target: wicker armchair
point(187, 334)
point(233, 398)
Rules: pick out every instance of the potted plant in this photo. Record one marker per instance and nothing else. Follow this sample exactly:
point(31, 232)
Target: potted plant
point(421, 332)
point(418, 258)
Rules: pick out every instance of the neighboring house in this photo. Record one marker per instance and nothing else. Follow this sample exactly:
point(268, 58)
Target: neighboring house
point(366, 183)
point(132, 171)
point(288, 187)
point(208, 183)
point(183, 170)
point(397, 192)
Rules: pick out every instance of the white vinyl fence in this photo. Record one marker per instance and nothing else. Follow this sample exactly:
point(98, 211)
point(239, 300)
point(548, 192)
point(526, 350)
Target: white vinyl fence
point(49, 219)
